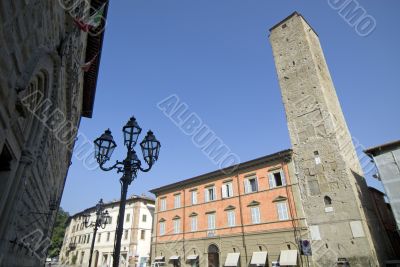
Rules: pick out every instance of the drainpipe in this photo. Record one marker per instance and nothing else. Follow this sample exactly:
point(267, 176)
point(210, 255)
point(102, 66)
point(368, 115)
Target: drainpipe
point(183, 222)
point(241, 218)
point(293, 219)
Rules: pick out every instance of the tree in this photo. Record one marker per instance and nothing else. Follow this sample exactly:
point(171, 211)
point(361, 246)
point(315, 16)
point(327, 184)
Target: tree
point(58, 233)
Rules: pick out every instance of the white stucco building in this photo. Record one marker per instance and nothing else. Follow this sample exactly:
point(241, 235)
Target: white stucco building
point(136, 238)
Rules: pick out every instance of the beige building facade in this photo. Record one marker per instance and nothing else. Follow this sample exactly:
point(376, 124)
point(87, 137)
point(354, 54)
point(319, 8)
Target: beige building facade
point(45, 89)
point(135, 244)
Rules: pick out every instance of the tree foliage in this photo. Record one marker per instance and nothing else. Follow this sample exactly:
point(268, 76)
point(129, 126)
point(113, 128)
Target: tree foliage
point(58, 233)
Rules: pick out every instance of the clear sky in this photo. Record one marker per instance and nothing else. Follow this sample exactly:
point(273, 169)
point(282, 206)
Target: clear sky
point(215, 55)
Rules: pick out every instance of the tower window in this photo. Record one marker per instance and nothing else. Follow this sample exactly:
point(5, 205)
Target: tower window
point(317, 158)
point(327, 201)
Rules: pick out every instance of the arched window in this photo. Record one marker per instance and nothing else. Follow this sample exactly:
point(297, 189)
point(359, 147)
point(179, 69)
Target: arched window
point(327, 201)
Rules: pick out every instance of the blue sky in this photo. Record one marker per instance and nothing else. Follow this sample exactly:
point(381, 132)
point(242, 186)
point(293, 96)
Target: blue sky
point(216, 57)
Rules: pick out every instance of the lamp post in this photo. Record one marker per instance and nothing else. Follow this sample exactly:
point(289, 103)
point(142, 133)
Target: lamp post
point(102, 218)
point(129, 167)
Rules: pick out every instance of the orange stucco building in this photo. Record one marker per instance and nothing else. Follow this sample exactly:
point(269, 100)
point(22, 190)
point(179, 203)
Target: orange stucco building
point(239, 215)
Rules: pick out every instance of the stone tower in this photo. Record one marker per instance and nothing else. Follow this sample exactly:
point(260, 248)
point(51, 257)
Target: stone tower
point(334, 193)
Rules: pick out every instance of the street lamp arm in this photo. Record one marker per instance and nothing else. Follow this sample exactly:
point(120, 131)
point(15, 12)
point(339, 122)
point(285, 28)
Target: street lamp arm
point(147, 169)
point(112, 167)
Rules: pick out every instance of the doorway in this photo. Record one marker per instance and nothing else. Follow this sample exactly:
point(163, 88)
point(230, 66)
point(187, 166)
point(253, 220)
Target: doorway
point(213, 256)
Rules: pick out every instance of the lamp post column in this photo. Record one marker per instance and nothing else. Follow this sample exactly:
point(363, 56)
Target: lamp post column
point(93, 240)
point(118, 234)
point(125, 180)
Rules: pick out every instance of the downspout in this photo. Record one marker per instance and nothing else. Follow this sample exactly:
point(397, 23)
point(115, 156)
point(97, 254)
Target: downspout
point(241, 218)
point(154, 231)
point(293, 219)
point(183, 226)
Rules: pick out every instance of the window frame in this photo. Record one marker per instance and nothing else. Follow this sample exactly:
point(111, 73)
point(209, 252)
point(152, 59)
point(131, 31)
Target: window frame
point(207, 194)
point(177, 201)
point(227, 190)
point(272, 179)
point(231, 218)
point(280, 211)
point(177, 226)
point(256, 215)
point(126, 234)
point(163, 204)
point(161, 228)
point(247, 184)
point(213, 224)
point(142, 234)
point(193, 197)
point(193, 223)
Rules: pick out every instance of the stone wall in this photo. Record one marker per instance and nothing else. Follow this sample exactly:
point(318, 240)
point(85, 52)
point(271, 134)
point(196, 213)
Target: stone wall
point(41, 97)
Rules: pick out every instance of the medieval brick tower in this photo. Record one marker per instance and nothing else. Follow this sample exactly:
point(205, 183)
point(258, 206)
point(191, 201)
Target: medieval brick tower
point(334, 193)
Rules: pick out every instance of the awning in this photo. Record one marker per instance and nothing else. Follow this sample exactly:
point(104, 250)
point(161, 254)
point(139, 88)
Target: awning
point(288, 258)
point(259, 258)
point(192, 257)
point(232, 260)
point(174, 258)
point(159, 258)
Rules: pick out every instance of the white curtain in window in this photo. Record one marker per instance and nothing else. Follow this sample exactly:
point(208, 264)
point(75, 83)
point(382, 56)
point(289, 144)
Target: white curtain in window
point(194, 197)
point(282, 211)
point(231, 218)
point(211, 221)
point(272, 183)
point(255, 214)
point(177, 226)
point(283, 177)
point(194, 223)
point(247, 186)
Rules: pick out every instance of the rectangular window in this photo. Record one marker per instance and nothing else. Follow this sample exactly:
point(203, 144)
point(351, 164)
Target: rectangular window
point(255, 214)
point(194, 197)
point(209, 194)
point(177, 201)
point(163, 204)
point(162, 228)
point(317, 158)
point(277, 179)
point(250, 185)
point(142, 234)
point(108, 236)
point(282, 211)
point(88, 238)
point(231, 218)
point(227, 190)
point(211, 221)
point(144, 218)
point(193, 223)
point(99, 237)
point(126, 235)
point(177, 226)
point(128, 217)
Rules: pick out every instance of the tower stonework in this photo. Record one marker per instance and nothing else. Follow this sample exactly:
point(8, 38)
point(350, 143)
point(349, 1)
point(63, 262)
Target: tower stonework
point(334, 193)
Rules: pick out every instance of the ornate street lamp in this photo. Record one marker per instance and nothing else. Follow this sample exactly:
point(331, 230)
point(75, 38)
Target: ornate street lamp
point(129, 167)
point(102, 219)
